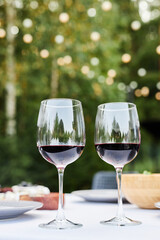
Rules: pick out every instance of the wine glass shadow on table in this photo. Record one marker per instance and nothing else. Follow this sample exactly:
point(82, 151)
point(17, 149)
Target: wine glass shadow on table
point(61, 140)
point(117, 142)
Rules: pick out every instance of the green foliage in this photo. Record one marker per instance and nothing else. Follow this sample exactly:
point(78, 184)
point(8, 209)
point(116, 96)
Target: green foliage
point(36, 78)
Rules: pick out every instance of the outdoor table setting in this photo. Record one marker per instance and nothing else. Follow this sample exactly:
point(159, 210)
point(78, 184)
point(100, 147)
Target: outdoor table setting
point(34, 212)
point(79, 120)
point(89, 214)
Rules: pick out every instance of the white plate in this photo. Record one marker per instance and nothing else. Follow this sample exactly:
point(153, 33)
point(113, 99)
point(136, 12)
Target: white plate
point(98, 195)
point(157, 204)
point(12, 209)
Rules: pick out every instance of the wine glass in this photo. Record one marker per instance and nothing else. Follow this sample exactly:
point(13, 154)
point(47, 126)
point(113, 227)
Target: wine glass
point(61, 140)
point(117, 142)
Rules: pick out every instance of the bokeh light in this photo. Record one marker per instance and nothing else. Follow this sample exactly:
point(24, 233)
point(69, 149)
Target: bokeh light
point(27, 23)
point(109, 81)
point(59, 39)
point(101, 79)
point(27, 38)
point(158, 49)
point(145, 91)
point(106, 6)
point(91, 74)
point(53, 6)
point(18, 4)
point(14, 30)
point(64, 17)
point(85, 69)
point(67, 59)
point(44, 53)
point(60, 61)
point(126, 58)
point(95, 36)
point(135, 25)
point(91, 12)
point(137, 93)
point(34, 4)
point(133, 84)
point(157, 96)
point(2, 33)
point(111, 73)
point(94, 61)
point(121, 86)
point(141, 72)
point(158, 85)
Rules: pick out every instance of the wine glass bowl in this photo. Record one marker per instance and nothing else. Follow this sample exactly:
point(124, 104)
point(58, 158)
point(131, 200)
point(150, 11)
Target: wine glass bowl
point(117, 142)
point(61, 140)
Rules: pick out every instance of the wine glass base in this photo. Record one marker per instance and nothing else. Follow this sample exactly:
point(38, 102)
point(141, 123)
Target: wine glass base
point(64, 224)
point(123, 221)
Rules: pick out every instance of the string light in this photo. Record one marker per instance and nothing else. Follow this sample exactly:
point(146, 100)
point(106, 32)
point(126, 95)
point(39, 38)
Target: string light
point(91, 74)
point(64, 17)
point(158, 50)
point(27, 38)
point(94, 61)
point(133, 84)
point(137, 93)
point(2, 33)
point(106, 6)
point(44, 53)
point(135, 25)
point(67, 59)
point(145, 91)
point(59, 39)
point(121, 86)
point(14, 30)
point(126, 58)
point(112, 73)
point(18, 4)
point(157, 96)
point(142, 72)
point(109, 81)
point(53, 6)
point(34, 4)
point(91, 12)
point(85, 70)
point(27, 23)
point(95, 36)
point(60, 61)
point(101, 79)
point(158, 85)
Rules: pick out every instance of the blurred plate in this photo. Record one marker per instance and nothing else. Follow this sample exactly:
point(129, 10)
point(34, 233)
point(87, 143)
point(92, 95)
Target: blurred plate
point(98, 195)
point(12, 209)
point(157, 204)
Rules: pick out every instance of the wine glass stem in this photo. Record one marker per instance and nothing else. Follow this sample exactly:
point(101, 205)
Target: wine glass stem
point(120, 212)
point(60, 213)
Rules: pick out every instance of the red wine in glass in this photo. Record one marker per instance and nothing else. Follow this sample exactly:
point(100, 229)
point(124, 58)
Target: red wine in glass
point(61, 155)
point(60, 140)
point(117, 154)
point(117, 142)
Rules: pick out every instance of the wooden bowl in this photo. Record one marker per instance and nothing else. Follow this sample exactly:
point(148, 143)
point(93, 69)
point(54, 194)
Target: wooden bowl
point(141, 189)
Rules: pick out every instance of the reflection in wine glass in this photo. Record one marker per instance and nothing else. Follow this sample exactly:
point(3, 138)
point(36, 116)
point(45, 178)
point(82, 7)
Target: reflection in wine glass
point(117, 141)
point(61, 140)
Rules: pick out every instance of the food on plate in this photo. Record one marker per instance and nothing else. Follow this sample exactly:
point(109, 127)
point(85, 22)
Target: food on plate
point(37, 193)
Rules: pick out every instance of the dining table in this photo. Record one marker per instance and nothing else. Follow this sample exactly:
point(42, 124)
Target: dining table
point(89, 213)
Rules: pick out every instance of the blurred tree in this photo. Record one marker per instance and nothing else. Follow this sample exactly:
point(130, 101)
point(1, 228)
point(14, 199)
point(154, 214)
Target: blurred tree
point(89, 50)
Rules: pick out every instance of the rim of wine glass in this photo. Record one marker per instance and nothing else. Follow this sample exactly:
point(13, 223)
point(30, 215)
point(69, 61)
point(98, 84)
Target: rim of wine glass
point(117, 109)
point(45, 102)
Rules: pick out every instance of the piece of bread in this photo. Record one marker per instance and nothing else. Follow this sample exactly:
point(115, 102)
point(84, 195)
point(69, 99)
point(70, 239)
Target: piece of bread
point(50, 201)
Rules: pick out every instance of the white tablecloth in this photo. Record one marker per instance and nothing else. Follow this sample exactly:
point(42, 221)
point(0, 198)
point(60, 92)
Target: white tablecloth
point(89, 214)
